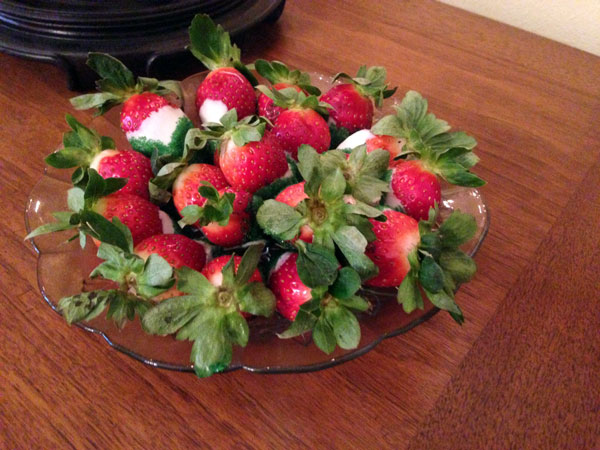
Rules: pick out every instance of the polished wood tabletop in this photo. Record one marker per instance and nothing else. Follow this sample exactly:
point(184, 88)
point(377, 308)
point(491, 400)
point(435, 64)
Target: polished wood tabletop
point(522, 372)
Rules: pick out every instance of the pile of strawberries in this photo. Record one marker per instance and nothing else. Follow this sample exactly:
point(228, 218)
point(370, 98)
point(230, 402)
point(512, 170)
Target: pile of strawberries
point(282, 199)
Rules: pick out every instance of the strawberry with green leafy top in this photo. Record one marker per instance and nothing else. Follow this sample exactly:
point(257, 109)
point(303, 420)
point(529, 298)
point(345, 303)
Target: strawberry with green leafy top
point(249, 157)
point(138, 282)
point(300, 122)
point(222, 217)
point(336, 223)
point(229, 83)
point(149, 120)
point(352, 102)
point(281, 77)
point(187, 183)
point(211, 312)
point(84, 148)
point(431, 150)
point(292, 196)
point(94, 210)
point(423, 258)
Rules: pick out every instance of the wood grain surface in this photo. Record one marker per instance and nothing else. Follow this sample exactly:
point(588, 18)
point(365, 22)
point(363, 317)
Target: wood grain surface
point(522, 372)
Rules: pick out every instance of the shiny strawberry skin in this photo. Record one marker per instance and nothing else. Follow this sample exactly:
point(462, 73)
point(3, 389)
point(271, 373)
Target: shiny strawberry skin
point(213, 271)
point(139, 215)
point(138, 107)
point(176, 249)
point(229, 86)
point(125, 164)
point(292, 195)
point(350, 109)
point(295, 127)
point(387, 143)
point(239, 222)
point(289, 290)
point(395, 239)
point(253, 165)
point(415, 188)
point(185, 187)
point(267, 108)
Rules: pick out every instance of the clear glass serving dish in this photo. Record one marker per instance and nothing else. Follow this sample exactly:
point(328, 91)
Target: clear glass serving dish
point(63, 269)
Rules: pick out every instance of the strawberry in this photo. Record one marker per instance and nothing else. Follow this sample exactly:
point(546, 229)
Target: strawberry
point(139, 215)
point(289, 290)
point(227, 85)
point(395, 239)
point(300, 122)
point(84, 148)
point(150, 122)
point(414, 188)
point(249, 157)
point(352, 103)
point(185, 187)
point(176, 249)
point(239, 222)
point(280, 77)
point(213, 271)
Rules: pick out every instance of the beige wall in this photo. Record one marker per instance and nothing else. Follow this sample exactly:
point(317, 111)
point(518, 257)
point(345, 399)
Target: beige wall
point(572, 22)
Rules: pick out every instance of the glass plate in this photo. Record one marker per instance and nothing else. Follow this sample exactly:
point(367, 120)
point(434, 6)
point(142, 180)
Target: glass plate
point(63, 269)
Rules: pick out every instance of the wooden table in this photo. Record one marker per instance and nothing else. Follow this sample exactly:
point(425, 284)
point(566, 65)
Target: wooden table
point(523, 371)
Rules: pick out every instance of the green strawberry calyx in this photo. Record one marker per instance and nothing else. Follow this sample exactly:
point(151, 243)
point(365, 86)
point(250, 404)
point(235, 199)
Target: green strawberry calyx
point(82, 216)
point(427, 138)
point(331, 313)
point(290, 98)
point(209, 315)
point(117, 84)
point(437, 265)
point(80, 146)
point(370, 82)
point(138, 283)
point(277, 72)
point(249, 129)
point(338, 223)
point(217, 208)
point(211, 44)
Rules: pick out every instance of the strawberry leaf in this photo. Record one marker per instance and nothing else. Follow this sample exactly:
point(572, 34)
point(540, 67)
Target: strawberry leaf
point(85, 306)
point(255, 298)
point(346, 284)
point(431, 275)
point(344, 323)
point(353, 244)
point(248, 264)
point(190, 281)
point(317, 265)
point(409, 295)
point(457, 229)
point(446, 302)
point(333, 186)
point(324, 336)
point(237, 328)
point(458, 265)
point(304, 321)
point(279, 220)
point(211, 44)
point(355, 302)
point(212, 349)
point(171, 314)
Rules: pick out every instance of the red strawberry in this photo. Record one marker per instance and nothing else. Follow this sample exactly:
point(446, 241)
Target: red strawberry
point(292, 196)
point(150, 121)
point(213, 271)
point(395, 239)
point(227, 86)
point(139, 215)
point(388, 143)
point(352, 102)
point(267, 108)
point(414, 187)
point(295, 127)
point(289, 290)
point(125, 164)
point(185, 187)
point(85, 148)
point(176, 249)
point(239, 222)
point(254, 164)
